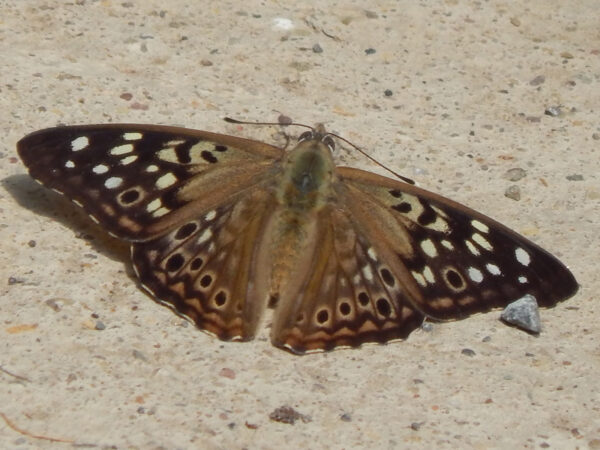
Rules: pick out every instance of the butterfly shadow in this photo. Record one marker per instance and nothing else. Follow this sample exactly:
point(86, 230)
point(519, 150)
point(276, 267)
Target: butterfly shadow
point(30, 195)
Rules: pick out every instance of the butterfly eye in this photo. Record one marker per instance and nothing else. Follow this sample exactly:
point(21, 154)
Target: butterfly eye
point(307, 135)
point(328, 141)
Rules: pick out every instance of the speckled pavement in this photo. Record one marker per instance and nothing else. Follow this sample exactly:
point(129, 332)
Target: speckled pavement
point(492, 104)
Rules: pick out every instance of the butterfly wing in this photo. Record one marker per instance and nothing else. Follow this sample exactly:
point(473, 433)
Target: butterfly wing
point(348, 296)
point(139, 181)
point(204, 270)
point(449, 260)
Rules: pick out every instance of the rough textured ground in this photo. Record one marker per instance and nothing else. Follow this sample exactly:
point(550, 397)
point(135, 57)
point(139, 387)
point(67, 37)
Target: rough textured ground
point(452, 94)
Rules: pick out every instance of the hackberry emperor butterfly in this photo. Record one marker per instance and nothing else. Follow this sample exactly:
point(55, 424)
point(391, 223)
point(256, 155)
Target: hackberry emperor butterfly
point(221, 226)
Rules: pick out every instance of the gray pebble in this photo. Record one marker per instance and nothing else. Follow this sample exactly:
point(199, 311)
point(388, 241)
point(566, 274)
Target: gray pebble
point(513, 192)
point(515, 174)
point(524, 314)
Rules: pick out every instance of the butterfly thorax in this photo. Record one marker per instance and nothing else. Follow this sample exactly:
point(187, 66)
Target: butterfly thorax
point(305, 190)
point(307, 176)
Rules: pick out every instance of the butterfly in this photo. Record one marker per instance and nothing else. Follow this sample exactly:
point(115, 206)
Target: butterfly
point(222, 228)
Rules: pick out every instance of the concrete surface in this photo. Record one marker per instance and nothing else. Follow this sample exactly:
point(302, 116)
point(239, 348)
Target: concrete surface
point(87, 358)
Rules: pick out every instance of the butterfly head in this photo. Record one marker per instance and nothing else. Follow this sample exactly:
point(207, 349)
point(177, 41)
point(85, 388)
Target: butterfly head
point(318, 134)
point(309, 166)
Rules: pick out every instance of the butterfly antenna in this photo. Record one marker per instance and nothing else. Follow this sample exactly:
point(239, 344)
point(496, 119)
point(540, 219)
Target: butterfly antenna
point(396, 174)
point(283, 123)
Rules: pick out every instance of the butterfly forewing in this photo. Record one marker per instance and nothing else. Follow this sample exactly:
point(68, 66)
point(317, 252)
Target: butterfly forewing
point(453, 260)
point(138, 181)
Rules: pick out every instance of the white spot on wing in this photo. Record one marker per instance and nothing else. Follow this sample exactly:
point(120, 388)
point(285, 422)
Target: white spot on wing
point(210, 215)
point(480, 226)
point(205, 236)
point(429, 248)
point(69, 164)
point(371, 253)
point(522, 256)
point(475, 275)
point(483, 242)
point(122, 149)
point(447, 244)
point(113, 182)
point(523, 280)
point(474, 250)
point(132, 136)
point(428, 274)
point(154, 205)
point(420, 278)
point(100, 169)
point(160, 212)
point(493, 269)
point(368, 273)
point(168, 179)
point(79, 143)
point(439, 225)
point(175, 143)
point(439, 211)
point(152, 168)
point(128, 159)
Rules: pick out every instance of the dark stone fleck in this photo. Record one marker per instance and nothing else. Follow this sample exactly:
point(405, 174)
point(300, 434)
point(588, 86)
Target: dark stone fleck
point(370, 51)
point(538, 80)
point(287, 414)
point(575, 177)
point(467, 352)
point(416, 425)
point(553, 111)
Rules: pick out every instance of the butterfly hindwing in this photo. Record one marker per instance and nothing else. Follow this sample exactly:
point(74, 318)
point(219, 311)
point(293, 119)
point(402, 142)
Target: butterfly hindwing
point(136, 180)
point(349, 296)
point(203, 268)
point(454, 261)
